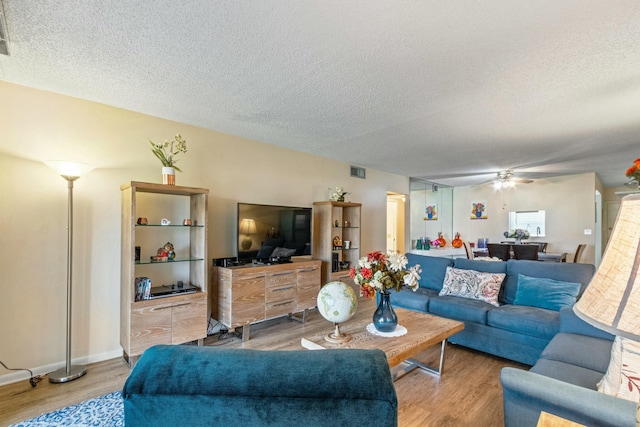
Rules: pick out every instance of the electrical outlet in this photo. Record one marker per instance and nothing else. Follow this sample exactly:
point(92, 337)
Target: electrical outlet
point(587, 232)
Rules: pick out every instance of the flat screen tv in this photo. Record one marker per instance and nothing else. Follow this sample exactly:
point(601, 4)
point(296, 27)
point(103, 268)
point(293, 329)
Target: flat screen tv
point(269, 231)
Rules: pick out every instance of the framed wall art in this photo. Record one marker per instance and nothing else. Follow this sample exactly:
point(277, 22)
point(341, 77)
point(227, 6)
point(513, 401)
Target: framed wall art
point(431, 212)
point(479, 210)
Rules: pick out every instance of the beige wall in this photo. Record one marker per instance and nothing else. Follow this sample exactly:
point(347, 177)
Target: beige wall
point(39, 126)
point(569, 202)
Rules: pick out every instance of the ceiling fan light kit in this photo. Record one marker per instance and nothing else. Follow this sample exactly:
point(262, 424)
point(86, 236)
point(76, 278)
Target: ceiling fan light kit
point(504, 180)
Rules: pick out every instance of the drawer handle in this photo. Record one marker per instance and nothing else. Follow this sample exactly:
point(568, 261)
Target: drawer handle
point(285, 273)
point(168, 307)
point(282, 289)
point(180, 305)
point(308, 271)
point(283, 303)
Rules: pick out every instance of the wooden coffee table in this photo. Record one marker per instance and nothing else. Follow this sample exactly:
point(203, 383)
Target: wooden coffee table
point(423, 331)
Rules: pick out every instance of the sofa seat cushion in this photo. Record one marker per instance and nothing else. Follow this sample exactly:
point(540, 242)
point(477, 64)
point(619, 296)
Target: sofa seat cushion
point(568, 373)
point(418, 300)
point(462, 309)
point(532, 321)
point(580, 350)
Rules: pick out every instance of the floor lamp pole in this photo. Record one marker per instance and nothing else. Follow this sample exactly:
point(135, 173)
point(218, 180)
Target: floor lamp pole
point(69, 372)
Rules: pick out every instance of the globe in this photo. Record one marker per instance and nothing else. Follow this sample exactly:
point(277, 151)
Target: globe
point(337, 302)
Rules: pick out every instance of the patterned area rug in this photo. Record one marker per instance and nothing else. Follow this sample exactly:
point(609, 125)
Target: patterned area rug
point(103, 411)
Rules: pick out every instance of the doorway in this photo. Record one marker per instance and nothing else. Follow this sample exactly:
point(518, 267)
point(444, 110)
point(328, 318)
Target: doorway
point(395, 222)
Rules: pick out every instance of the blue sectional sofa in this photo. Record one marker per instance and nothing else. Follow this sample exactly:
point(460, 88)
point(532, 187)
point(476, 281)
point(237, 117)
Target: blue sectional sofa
point(564, 381)
point(189, 386)
point(515, 332)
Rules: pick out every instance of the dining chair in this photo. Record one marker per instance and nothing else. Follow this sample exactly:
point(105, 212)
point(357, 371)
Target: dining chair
point(579, 251)
point(467, 249)
point(525, 251)
point(542, 246)
point(498, 250)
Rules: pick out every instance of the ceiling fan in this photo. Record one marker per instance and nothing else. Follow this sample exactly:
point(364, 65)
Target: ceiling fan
point(506, 179)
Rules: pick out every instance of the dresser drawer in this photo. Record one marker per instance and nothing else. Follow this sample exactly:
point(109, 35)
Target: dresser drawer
point(280, 293)
point(279, 308)
point(281, 278)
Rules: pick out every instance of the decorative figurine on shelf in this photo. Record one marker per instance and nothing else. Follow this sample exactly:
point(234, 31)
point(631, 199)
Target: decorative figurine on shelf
point(337, 242)
point(443, 242)
point(171, 255)
point(426, 246)
point(457, 242)
point(337, 223)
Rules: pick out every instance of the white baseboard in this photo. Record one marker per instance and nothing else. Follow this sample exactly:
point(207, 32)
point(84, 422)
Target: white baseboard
point(17, 376)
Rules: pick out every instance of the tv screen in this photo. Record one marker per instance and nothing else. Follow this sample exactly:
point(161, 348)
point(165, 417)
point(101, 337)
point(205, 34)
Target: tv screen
point(269, 231)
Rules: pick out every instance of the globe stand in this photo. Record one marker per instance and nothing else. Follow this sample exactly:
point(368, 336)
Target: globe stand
point(337, 337)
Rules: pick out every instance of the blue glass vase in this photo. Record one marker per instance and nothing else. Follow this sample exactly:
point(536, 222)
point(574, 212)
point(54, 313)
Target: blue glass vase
point(384, 318)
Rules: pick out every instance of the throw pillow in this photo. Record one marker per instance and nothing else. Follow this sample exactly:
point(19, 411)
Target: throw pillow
point(545, 293)
point(623, 374)
point(473, 285)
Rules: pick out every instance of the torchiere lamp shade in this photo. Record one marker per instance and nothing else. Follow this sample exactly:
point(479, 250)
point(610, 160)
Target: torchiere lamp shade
point(612, 300)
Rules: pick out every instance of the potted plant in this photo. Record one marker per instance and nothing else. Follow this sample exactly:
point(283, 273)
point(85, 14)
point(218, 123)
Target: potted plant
point(167, 153)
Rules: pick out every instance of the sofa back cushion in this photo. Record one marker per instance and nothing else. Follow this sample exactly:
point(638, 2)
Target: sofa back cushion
point(433, 269)
point(566, 272)
point(482, 266)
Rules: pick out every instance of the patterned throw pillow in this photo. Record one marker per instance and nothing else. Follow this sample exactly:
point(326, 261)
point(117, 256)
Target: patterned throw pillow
point(473, 285)
point(623, 375)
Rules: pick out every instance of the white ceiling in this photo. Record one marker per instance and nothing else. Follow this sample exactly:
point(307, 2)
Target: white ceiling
point(449, 91)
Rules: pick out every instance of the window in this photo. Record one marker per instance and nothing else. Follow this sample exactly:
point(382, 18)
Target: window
point(532, 221)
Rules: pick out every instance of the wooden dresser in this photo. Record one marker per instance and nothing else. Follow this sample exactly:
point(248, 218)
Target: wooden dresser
point(252, 293)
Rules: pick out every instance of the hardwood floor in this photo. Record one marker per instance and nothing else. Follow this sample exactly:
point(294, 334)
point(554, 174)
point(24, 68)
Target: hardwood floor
point(467, 394)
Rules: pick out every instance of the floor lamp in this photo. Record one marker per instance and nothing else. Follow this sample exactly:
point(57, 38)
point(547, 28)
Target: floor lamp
point(69, 171)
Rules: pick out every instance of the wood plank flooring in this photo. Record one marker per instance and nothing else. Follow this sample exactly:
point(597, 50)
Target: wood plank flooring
point(467, 394)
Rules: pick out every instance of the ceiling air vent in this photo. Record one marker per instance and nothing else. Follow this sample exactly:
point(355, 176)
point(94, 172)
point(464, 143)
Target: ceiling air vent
point(358, 172)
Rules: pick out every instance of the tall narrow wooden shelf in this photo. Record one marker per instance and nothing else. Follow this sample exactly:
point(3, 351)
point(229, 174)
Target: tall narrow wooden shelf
point(174, 319)
point(341, 220)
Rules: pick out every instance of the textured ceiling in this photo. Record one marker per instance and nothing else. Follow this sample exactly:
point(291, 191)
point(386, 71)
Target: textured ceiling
point(446, 91)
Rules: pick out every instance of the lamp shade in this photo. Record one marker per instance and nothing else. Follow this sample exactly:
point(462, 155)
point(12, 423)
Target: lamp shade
point(69, 169)
point(612, 300)
point(248, 226)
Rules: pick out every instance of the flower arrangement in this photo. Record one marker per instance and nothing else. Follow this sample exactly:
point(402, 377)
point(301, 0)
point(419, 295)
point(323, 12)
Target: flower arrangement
point(337, 194)
point(634, 171)
point(518, 234)
point(168, 151)
point(378, 272)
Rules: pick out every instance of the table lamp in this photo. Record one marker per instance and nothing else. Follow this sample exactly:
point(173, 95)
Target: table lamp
point(611, 302)
point(70, 171)
point(248, 227)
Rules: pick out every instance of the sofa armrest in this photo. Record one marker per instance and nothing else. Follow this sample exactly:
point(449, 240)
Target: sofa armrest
point(570, 322)
point(526, 394)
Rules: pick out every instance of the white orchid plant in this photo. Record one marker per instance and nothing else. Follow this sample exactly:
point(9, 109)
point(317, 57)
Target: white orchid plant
point(168, 151)
point(378, 272)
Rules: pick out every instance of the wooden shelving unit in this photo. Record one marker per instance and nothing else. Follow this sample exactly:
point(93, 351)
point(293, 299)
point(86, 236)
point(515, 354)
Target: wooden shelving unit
point(336, 221)
point(174, 319)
